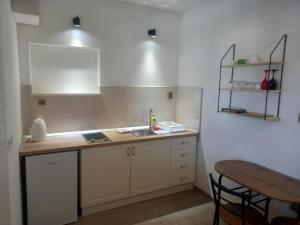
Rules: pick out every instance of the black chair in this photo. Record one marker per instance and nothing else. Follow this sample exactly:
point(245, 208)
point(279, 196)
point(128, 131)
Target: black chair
point(242, 212)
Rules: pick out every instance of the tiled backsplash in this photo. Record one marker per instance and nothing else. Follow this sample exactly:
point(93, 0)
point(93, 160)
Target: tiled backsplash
point(188, 106)
point(115, 107)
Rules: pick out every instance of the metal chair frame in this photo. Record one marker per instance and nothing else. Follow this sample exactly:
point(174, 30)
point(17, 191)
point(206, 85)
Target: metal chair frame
point(246, 196)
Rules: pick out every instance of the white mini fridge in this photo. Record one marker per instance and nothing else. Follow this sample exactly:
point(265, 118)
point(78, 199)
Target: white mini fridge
point(52, 186)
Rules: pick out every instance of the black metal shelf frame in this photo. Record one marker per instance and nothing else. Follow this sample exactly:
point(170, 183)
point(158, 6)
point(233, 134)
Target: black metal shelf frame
point(232, 49)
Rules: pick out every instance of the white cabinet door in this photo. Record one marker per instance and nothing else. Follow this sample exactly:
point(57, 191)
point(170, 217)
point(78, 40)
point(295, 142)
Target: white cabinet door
point(51, 182)
point(150, 166)
point(105, 175)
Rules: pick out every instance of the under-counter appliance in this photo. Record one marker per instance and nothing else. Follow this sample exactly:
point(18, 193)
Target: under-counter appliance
point(52, 187)
point(93, 138)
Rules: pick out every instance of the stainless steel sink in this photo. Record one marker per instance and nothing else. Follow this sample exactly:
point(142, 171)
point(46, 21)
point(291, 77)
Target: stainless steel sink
point(142, 133)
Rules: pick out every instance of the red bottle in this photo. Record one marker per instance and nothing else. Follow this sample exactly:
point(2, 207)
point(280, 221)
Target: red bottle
point(265, 83)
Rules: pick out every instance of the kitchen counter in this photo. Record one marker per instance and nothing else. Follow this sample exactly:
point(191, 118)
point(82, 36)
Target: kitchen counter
point(71, 142)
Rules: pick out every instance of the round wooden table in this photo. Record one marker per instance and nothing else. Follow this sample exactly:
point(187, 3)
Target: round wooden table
point(260, 179)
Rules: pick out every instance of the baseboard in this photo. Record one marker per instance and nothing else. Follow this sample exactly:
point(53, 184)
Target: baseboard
point(135, 199)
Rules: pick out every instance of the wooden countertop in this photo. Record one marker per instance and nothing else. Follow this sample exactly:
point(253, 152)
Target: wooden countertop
point(63, 143)
point(262, 180)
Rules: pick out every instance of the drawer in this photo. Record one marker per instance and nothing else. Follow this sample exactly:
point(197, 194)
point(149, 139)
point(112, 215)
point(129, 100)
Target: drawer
point(183, 178)
point(183, 155)
point(183, 167)
point(185, 142)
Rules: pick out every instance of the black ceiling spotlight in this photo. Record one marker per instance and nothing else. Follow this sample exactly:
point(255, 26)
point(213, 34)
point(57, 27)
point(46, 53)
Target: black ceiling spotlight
point(152, 33)
point(76, 21)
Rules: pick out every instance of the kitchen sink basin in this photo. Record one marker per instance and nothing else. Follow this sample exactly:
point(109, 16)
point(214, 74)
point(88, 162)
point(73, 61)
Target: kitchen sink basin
point(142, 133)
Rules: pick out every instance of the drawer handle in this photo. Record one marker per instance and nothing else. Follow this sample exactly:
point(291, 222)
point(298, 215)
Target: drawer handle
point(183, 166)
point(52, 163)
point(183, 178)
point(184, 154)
point(185, 142)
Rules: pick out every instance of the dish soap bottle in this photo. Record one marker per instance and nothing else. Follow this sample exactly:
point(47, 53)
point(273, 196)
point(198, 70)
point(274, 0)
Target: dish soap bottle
point(154, 123)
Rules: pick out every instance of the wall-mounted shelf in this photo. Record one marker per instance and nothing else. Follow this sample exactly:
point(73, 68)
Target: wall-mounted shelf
point(268, 64)
point(250, 90)
point(269, 117)
point(251, 64)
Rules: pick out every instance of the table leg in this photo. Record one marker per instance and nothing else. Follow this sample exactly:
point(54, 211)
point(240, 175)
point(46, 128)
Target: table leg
point(267, 206)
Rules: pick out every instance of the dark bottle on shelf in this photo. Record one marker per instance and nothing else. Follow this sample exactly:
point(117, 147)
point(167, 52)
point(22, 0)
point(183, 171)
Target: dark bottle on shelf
point(273, 82)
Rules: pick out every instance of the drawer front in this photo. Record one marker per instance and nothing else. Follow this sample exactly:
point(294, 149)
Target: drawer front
point(183, 178)
point(183, 155)
point(185, 142)
point(183, 167)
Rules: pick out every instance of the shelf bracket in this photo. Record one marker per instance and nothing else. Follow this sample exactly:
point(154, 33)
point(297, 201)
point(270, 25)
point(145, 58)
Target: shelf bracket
point(232, 48)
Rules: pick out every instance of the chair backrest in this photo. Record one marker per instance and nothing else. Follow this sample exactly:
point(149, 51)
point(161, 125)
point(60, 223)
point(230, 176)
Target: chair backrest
point(219, 190)
point(218, 195)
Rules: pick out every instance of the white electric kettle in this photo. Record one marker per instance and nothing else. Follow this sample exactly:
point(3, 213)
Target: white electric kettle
point(38, 130)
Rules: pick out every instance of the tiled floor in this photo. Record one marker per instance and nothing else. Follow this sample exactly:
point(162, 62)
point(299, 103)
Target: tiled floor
point(198, 215)
point(147, 210)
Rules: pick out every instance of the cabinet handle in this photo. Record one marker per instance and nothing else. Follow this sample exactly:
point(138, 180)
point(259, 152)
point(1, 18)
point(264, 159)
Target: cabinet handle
point(132, 150)
point(184, 154)
point(184, 166)
point(128, 152)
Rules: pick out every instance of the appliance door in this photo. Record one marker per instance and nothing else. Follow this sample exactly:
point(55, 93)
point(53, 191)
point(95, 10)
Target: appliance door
point(51, 182)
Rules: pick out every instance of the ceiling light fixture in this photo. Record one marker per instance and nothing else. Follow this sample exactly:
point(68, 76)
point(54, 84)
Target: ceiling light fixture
point(76, 21)
point(152, 33)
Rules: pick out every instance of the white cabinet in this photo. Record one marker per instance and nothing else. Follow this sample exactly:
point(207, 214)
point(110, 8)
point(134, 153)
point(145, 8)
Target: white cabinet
point(122, 171)
point(184, 142)
point(150, 166)
point(105, 175)
point(51, 185)
point(183, 157)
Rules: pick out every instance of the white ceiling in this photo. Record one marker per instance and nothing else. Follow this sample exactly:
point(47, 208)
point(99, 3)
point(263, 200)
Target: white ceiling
point(174, 5)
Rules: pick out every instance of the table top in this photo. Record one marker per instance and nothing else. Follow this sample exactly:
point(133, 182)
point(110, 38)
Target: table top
point(260, 179)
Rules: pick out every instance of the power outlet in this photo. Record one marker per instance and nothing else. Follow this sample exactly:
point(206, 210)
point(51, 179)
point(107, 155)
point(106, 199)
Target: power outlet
point(42, 102)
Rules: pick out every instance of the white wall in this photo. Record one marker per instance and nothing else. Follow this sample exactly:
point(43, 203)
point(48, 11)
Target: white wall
point(10, 119)
point(119, 30)
point(207, 32)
